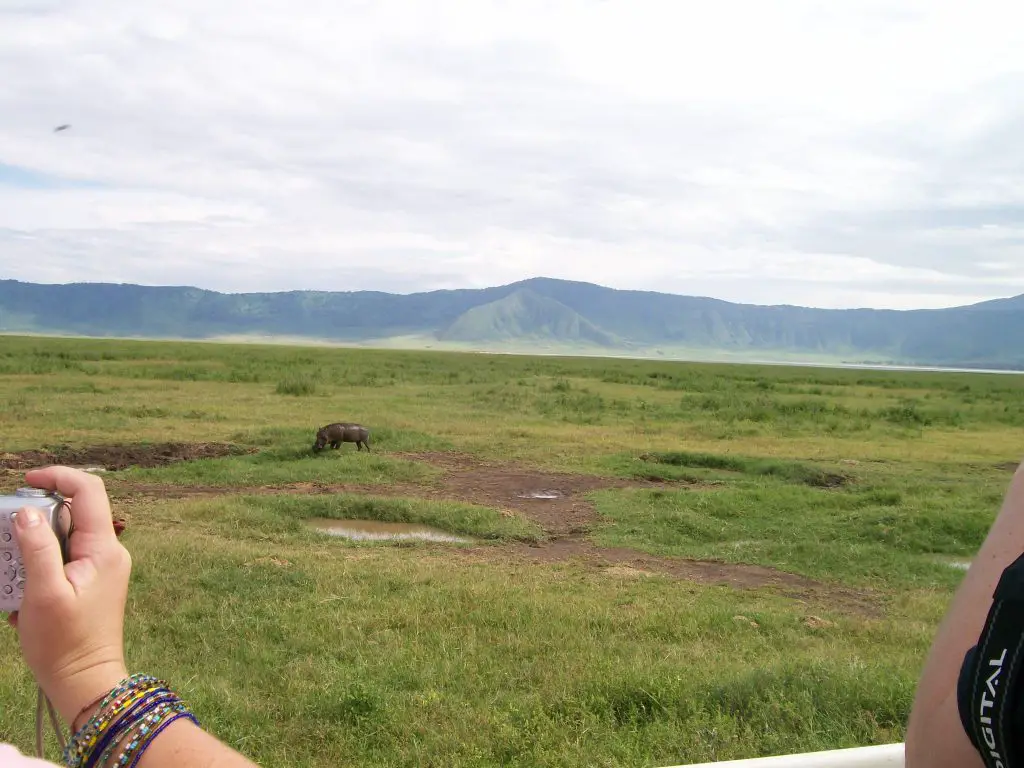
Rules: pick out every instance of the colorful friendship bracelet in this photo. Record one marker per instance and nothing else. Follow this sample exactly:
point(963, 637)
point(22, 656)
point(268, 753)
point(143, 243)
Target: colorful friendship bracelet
point(142, 705)
point(117, 716)
point(82, 743)
point(123, 716)
point(124, 687)
point(146, 737)
point(138, 728)
point(92, 706)
point(137, 709)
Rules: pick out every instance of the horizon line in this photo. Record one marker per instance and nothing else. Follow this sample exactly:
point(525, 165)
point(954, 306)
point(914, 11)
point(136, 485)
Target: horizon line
point(502, 285)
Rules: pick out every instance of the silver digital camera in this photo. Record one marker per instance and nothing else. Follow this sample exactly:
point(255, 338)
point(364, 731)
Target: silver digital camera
point(12, 570)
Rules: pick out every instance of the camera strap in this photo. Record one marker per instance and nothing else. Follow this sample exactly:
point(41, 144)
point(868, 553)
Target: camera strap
point(988, 687)
point(42, 701)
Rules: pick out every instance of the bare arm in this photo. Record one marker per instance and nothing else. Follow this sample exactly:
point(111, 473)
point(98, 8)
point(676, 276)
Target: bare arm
point(71, 621)
point(183, 743)
point(935, 736)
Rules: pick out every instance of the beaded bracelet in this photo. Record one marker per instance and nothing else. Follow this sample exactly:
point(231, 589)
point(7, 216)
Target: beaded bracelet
point(135, 710)
point(139, 734)
point(150, 728)
point(141, 707)
point(123, 694)
point(82, 741)
point(92, 706)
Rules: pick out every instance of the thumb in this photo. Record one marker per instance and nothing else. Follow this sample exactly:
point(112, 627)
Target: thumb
point(40, 553)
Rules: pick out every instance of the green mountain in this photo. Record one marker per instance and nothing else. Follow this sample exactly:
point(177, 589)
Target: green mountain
point(525, 314)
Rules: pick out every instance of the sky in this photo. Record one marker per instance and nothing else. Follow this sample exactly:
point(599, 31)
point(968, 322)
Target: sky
point(828, 154)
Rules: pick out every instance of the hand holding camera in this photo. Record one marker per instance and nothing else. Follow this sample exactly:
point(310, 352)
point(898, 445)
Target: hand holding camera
point(12, 567)
point(69, 615)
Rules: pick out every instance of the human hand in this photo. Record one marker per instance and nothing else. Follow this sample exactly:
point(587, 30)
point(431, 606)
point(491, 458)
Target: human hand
point(71, 622)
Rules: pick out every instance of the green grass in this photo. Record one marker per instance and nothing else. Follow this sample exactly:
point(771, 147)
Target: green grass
point(338, 660)
point(870, 537)
point(296, 385)
point(303, 649)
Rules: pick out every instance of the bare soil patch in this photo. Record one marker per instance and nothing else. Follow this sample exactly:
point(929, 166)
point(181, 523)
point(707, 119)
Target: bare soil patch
point(620, 560)
point(554, 500)
point(113, 457)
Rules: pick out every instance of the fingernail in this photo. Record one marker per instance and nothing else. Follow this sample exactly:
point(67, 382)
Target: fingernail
point(27, 518)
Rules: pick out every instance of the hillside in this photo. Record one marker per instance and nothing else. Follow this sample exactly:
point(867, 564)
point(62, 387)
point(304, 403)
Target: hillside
point(524, 316)
point(540, 310)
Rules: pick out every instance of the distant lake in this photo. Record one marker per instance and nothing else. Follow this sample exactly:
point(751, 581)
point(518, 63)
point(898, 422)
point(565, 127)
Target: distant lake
point(750, 361)
point(880, 367)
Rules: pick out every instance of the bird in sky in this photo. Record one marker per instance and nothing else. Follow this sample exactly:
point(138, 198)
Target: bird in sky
point(61, 128)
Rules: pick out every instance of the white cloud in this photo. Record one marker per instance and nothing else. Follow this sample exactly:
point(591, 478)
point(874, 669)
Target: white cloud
point(842, 154)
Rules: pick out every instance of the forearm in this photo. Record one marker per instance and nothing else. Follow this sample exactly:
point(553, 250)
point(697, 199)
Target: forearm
point(183, 743)
point(935, 735)
point(937, 739)
point(142, 719)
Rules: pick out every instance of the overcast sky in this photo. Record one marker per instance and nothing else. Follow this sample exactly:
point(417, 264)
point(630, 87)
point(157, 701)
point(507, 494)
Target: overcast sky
point(829, 154)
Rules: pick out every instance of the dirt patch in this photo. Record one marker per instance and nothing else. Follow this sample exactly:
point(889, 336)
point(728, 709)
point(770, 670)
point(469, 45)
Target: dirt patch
point(119, 456)
point(621, 561)
point(829, 480)
point(1008, 466)
point(554, 501)
point(626, 572)
point(788, 471)
point(708, 571)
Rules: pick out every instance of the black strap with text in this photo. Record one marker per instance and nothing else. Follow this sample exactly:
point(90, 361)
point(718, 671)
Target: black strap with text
point(988, 688)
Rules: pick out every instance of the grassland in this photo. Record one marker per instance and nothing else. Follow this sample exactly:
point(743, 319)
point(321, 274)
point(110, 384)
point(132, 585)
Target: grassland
point(748, 559)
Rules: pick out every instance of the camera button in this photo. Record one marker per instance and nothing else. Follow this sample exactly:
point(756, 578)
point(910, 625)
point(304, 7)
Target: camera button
point(8, 557)
point(8, 590)
point(5, 537)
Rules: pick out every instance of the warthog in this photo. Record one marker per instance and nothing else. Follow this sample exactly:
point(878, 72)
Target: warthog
point(342, 432)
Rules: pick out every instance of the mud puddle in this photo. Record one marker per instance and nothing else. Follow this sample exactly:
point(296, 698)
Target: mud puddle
point(375, 530)
point(960, 565)
point(116, 456)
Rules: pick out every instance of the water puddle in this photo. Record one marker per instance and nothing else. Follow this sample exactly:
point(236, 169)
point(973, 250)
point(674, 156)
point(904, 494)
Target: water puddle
point(375, 530)
point(950, 562)
point(541, 495)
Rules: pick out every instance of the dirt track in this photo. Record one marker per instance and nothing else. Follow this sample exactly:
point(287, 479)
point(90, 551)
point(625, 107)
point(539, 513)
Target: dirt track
point(115, 457)
point(555, 501)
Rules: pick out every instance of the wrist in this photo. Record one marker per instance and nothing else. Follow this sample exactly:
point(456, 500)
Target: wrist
point(86, 713)
point(77, 698)
point(124, 723)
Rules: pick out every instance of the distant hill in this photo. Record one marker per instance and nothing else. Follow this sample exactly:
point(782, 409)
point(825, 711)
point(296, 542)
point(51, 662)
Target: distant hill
point(524, 316)
point(539, 311)
point(1014, 303)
